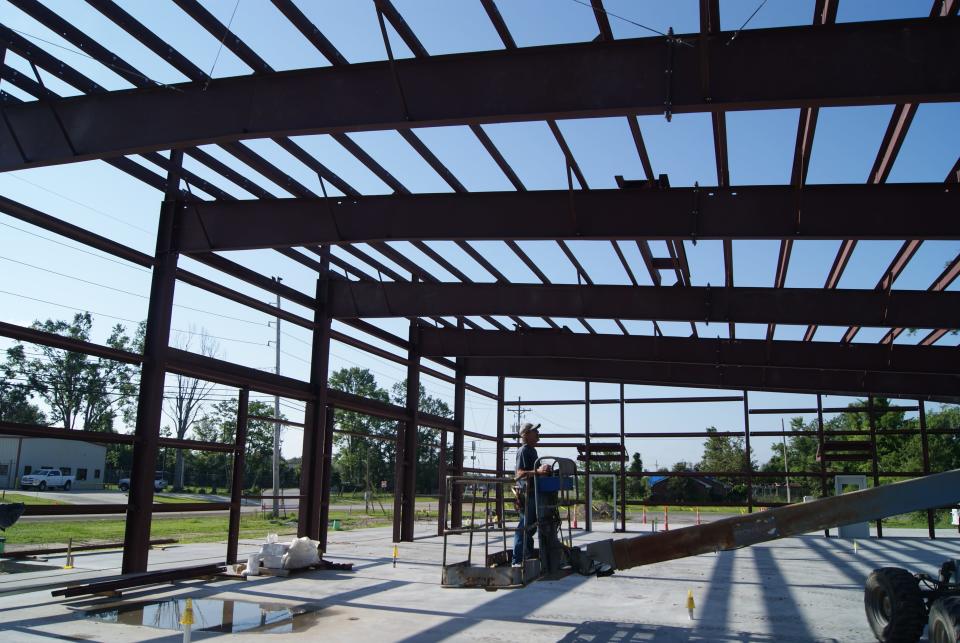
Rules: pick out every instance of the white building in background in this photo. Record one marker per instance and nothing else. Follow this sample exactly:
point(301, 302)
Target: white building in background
point(20, 456)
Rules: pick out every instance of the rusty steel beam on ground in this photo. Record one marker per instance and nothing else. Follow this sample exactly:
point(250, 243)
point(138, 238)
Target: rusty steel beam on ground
point(940, 388)
point(871, 63)
point(908, 308)
point(682, 350)
point(928, 492)
point(897, 211)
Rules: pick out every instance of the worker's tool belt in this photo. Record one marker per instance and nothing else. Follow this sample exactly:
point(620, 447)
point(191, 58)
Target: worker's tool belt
point(519, 497)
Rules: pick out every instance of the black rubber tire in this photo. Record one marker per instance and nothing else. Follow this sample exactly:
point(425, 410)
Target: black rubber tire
point(66, 486)
point(124, 487)
point(894, 605)
point(43, 486)
point(943, 625)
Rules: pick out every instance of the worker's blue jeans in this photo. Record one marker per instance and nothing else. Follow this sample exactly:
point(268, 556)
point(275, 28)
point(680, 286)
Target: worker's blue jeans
point(528, 517)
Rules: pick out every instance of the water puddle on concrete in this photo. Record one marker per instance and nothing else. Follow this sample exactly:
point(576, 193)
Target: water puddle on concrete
point(16, 567)
point(214, 615)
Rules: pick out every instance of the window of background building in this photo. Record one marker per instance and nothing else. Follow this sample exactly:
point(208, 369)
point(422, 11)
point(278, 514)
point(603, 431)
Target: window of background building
point(81, 474)
point(96, 474)
point(27, 469)
point(65, 471)
point(4, 469)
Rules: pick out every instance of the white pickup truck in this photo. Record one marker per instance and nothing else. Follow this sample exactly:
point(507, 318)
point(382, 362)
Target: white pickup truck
point(46, 478)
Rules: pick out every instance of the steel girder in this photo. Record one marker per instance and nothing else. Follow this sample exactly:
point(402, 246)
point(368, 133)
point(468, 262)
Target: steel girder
point(941, 388)
point(907, 308)
point(900, 211)
point(870, 63)
point(682, 350)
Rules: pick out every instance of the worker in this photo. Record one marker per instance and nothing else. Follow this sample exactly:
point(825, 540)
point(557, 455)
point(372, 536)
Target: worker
point(525, 471)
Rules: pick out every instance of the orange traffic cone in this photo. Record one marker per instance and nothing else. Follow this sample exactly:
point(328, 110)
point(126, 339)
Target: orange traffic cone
point(666, 518)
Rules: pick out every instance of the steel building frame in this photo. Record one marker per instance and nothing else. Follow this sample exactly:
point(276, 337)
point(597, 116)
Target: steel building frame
point(900, 62)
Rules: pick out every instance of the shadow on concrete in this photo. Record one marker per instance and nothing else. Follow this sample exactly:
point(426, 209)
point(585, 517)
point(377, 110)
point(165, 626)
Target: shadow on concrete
point(779, 603)
point(714, 612)
point(607, 632)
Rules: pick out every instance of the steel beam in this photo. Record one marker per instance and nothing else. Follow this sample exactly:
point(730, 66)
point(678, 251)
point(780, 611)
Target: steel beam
point(236, 480)
point(900, 211)
point(407, 456)
point(136, 539)
point(682, 350)
point(870, 63)
point(908, 308)
point(939, 388)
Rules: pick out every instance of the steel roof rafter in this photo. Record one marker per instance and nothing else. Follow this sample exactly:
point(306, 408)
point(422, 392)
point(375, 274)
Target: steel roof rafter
point(507, 86)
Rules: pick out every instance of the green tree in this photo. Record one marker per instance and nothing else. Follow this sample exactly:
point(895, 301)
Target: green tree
point(360, 462)
point(428, 452)
point(637, 488)
point(78, 388)
point(15, 404)
point(219, 424)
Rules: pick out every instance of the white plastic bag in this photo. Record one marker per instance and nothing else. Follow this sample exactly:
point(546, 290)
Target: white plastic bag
point(272, 554)
point(302, 553)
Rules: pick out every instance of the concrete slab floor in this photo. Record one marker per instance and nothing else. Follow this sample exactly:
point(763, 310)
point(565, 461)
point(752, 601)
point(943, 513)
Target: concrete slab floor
point(799, 589)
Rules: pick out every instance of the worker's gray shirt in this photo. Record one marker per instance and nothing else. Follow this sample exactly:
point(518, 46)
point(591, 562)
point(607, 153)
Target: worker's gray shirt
point(526, 461)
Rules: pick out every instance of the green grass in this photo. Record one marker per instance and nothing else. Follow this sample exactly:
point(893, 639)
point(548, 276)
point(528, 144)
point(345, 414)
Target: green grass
point(187, 530)
point(166, 499)
point(29, 500)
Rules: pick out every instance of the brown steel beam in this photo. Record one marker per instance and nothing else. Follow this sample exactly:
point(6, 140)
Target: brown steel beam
point(871, 63)
point(407, 456)
point(236, 480)
point(156, 350)
point(310, 31)
point(315, 466)
point(909, 308)
point(829, 356)
point(947, 277)
point(899, 211)
point(942, 388)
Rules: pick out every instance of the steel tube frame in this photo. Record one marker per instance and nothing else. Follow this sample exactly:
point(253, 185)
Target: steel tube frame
point(236, 481)
point(411, 433)
point(871, 63)
point(682, 350)
point(941, 388)
point(136, 539)
point(744, 212)
point(908, 308)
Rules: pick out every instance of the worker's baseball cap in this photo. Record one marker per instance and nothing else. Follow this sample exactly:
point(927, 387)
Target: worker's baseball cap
point(527, 427)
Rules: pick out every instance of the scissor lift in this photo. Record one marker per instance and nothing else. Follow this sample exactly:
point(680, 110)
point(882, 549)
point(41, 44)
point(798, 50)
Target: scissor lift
point(554, 497)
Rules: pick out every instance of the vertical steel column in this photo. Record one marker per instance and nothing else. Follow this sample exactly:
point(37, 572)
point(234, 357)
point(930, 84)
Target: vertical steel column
point(623, 463)
point(459, 398)
point(925, 452)
point(873, 461)
point(501, 446)
point(236, 482)
point(823, 465)
point(442, 484)
point(746, 451)
point(314, 464)
point(327, 473)
point(136, 537)
point(411, 436)
point(399, 444)
point(587, 487)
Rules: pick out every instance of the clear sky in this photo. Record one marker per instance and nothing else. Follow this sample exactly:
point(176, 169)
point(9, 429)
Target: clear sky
point(48, 277)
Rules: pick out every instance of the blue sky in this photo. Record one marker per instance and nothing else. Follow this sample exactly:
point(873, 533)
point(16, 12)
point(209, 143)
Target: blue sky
point(110, 203)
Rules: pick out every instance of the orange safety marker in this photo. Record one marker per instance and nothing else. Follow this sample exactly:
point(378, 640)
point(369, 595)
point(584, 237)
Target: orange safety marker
point(666, 518)
point(698, 515)
point(644, 514)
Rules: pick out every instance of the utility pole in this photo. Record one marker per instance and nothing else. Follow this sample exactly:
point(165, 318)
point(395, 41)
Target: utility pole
point(519, 412)
point(276, 415)
point(786, 467)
